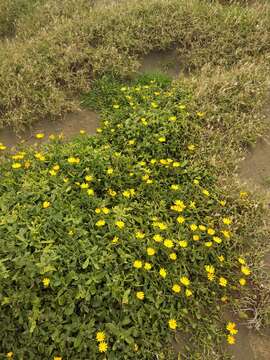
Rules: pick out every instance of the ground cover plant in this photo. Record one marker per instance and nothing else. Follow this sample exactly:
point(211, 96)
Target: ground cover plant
point(113, 244)
point(59, 47)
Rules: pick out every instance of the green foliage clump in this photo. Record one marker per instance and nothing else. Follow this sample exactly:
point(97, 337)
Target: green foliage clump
point(127, 233)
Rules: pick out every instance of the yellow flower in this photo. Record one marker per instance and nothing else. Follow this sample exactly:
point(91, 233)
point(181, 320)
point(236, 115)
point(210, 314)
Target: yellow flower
point(193, 227)
point(100, 223)
point(88, 178)
point(90, 192)
point(175, 187)
point(230, 339)
point(131, 142)
point(183, 243)
point(182, 106)
point(173, 256)
point(53, 172)
point(241, 261)
point(217, 239)
point(116, 106)
point(162, 139)
point(139, 235)
point(46, 282)
point(137, 264)
point(205, 192)
point(196, 181)
point(163, 273)
point(52, 137)
point(150, 251)
point(222, 202)
point(210, 269)
point(84, 186)
point(188, 293)
point(196, 237)
point(140, 295)
point(243, 194)
point(226, 234)
point(180, 219)
point(231, 327)
point(2, 147)
point(202, 227)
point(223, 282)
point(245, 270)
point(191, 147)
point(115, 239)
point(39, 136)
point(221, 258)
point(172, 118)
point(172, 324)
point(126, 193)
point(176, 164)
point(158, 238)
point(200, 114)
point(147, 266)
point(46, 204)
point(73, 160)
point(242, 282)
point(102, 347)
point(120, 224)
point(56, 167)
point(110, 171)
point(168, 243)
point(227, 221)
point(185, 281)
point(57, 358)
point(211, 231)
point(105, 210)
point(154, 105)
point(112, 193)
point(10, 355)
point(176, 288)
point(208, 243)
point(16, 165)
point(210, 276)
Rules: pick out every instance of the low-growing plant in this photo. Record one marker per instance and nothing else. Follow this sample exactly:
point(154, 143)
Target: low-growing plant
point(111, 245)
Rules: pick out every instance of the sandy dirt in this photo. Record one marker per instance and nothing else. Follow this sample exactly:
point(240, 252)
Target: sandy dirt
point(69, 126)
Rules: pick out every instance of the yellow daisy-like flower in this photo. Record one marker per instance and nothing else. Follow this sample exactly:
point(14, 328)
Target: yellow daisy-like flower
point(84, 186)
point(172, 324)
point(46, 204)
point(176, 288)
point(208, 244)
point(163, 273)
point(173, 256)
point(191, 147)
point(100, 336)
point(227, 221)
point(188, 293)
point(245, 270)
point(90, 192)
point(46, 282)
point(226, 234)
point(100, 223)
point(120, 224)
point(147, 266)
point(231, 327)
point(88, 178)
point(211, 231)
point(200, 114)
point(162, 139)
point(2, 147)
point(82, 132)
point(176, 164)
point(140, 295)
point(16, 165)
point(202, 227)
point(9, 354)
point(115, 240)
point(193, 227)
point(57, 358)
point(175, 187)
point(139, 235)
point(183, 243)
point(241, 261)
point(102, 347)
point(205, 192)
point(230, 339)
point(210, 269)
point(196, 237)
point(105, 210)
point(210, 276)
point(158, 238)
point(172, 118)
point(154, 105)
point(40, 136)
point(180, 219)
point(185, 281)
point(137, 264)
point(73, 160)
point(217, 239)
point(168, 243)
point(242, 282)
point(150, 251)
point(223, 282)
point(112, 193)
point(116, 106)
point(110, 171)
point(221, 258)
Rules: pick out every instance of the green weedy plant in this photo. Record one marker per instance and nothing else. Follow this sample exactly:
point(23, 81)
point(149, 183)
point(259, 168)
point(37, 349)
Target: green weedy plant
point(112, 244)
